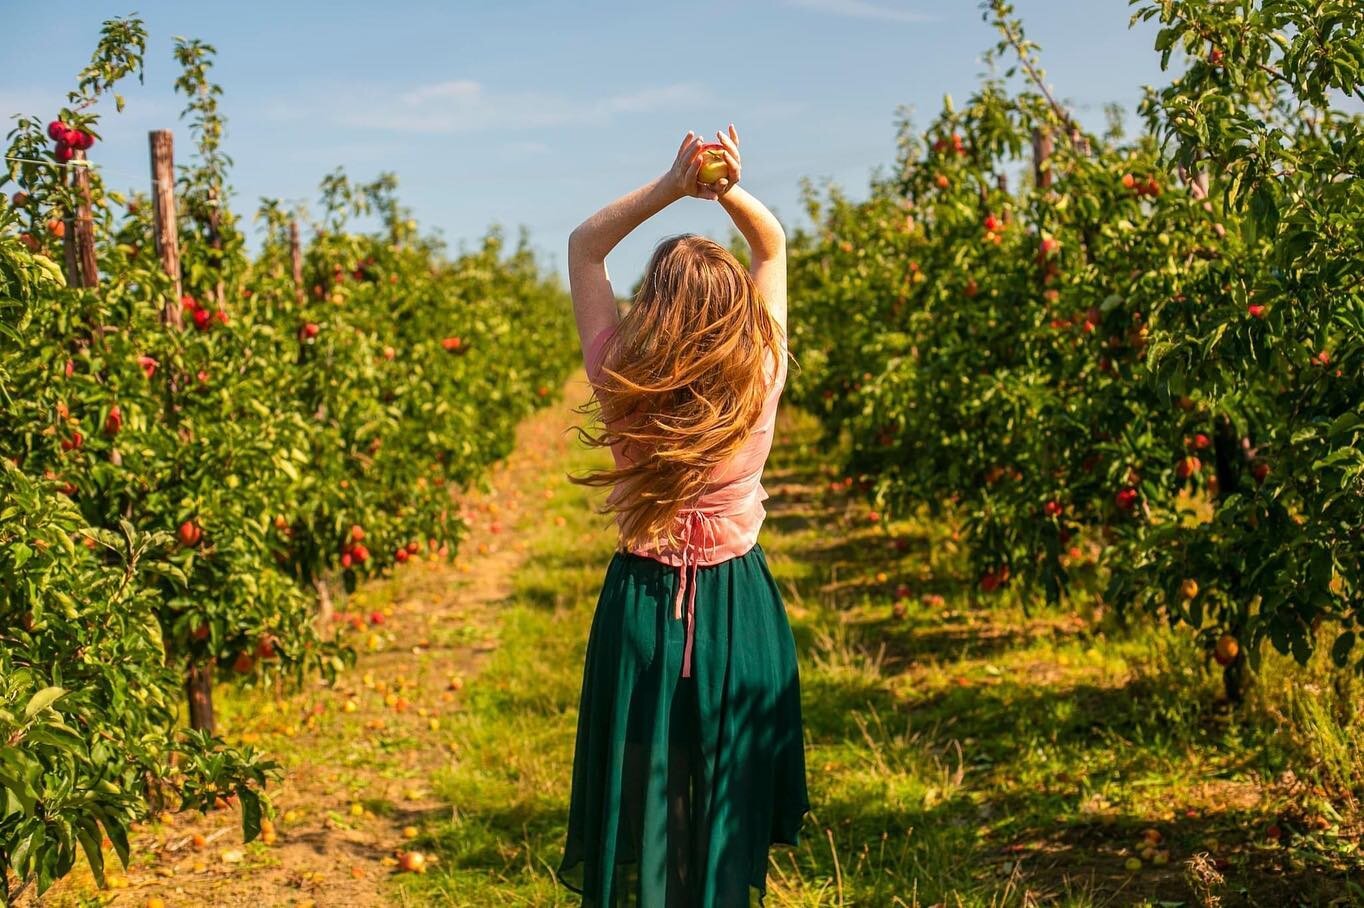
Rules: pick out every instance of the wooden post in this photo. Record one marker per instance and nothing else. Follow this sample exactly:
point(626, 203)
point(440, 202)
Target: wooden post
point(70, 264)
point(87, 263)
point(215, 239)
point(1041, 154)
point(163, 211)
point(199, 690)
point(296, 257)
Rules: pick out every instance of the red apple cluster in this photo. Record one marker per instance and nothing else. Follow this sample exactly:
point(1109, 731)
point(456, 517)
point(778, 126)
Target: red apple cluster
point(952, 142)
point(202, 318)
point(68, 140)
point(993, 580)
point(1146, 187)
point(354, 552)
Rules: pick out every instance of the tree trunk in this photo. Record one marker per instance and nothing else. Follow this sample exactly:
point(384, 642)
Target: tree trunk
point(325, 609)
point(215, 240)
point(1236, 679)
point(199, 689)
point(1041, 153)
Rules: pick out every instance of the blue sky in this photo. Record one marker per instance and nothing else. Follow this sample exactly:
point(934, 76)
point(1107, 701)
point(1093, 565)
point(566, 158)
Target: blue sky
point(536, 112)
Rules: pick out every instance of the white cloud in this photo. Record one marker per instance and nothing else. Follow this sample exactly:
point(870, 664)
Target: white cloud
point(861, 9)
point(464, 105)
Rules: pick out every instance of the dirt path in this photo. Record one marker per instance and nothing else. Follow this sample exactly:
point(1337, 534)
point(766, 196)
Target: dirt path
point(358, 755)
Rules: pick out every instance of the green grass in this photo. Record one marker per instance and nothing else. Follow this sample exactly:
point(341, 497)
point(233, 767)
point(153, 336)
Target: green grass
point(968, 753)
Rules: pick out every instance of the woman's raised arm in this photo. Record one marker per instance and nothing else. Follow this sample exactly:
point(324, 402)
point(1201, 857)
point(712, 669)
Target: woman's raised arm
point(760, 228)
point(594, 302)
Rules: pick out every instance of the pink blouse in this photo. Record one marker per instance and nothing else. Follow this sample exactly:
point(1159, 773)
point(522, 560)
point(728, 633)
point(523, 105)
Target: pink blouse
point(725, 520)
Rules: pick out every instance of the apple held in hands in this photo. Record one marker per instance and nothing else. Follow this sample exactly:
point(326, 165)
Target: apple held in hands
point(713, 164)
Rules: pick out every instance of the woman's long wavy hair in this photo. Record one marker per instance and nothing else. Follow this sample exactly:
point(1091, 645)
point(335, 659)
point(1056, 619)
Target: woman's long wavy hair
point(684, 379)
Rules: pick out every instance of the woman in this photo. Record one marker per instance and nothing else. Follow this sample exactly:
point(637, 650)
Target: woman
point(689, 760)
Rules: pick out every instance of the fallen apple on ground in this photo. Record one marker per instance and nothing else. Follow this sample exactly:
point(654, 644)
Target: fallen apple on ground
point(412, 862)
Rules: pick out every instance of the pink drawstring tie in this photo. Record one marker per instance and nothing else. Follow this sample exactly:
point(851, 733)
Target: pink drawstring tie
point(694, 519)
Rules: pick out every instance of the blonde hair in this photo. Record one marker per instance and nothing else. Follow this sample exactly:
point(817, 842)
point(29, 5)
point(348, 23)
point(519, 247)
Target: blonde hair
point(683, 382)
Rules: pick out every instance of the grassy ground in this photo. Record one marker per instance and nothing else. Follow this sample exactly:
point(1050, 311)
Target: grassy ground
point(960, 752)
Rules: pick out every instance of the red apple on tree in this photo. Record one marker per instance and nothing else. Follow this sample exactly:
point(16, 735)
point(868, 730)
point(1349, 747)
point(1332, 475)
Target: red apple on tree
point(1188, 466)
point(1226, 650)
point(189, 534)
point(114, 421)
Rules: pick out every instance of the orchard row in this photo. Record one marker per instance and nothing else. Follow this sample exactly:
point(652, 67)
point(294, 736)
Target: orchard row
point(200, 445)
point(1154, 344)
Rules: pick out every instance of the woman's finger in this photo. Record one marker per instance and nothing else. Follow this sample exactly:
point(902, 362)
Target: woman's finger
point(733, 163)
point(734, 134)
point(693, 171)
point(685, 141)
point(728, 143)
point(693, 150)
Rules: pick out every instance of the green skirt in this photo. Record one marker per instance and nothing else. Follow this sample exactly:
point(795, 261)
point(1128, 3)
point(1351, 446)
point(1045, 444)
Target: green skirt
point(681, 785)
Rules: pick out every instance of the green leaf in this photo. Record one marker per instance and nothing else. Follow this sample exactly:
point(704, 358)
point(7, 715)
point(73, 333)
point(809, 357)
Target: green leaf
point(1340, 650)
point(42, 700)
point(22, 553)
point(251, 813)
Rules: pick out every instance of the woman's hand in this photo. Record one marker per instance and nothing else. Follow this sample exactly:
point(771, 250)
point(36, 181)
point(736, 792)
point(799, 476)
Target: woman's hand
point(682, 175)
point(731, 156)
